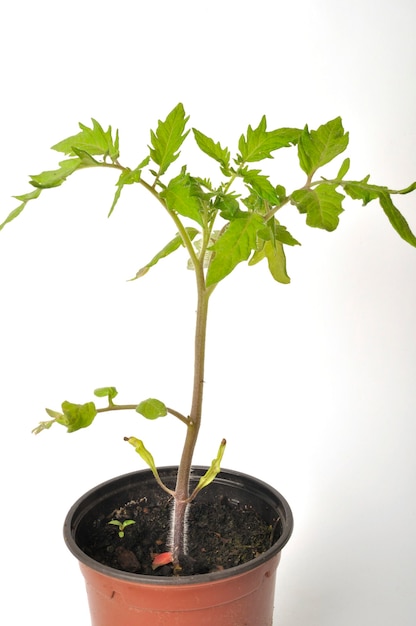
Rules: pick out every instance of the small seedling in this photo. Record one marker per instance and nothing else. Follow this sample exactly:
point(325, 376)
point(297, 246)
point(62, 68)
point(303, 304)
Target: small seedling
point(121, 525)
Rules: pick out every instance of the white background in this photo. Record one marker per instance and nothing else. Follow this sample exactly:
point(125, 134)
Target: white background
point(312, 384)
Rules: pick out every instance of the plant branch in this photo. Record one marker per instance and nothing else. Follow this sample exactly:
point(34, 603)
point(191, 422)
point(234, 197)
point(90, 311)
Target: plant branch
point(117, 407)
point(132, 407)
point(274, 210)
point(181, 228)
point(180, 417)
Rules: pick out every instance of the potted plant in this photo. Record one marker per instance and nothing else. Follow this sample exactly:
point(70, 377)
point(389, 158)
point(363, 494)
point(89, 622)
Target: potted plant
point(157, 546)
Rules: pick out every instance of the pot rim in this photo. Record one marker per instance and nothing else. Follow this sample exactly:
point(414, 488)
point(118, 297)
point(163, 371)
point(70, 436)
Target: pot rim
point(226, 477)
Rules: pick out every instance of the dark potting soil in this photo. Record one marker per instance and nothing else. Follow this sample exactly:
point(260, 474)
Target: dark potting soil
point(221, 534)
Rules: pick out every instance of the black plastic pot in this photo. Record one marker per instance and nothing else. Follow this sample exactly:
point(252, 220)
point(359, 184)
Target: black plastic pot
point(241, 595)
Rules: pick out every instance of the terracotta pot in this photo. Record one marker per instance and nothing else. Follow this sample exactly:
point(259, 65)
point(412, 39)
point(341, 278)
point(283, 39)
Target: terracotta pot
point(238, 596)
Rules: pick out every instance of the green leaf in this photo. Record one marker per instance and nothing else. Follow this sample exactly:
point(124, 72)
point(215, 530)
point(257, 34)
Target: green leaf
point(76, 416)
point(365, 191)
point(253, 202)
point(343, 170)
point(116, 522)
point(318, 147)
point(106, 392)
point(322, 205)
point(81, 147)
point(228, 206)
point(396, 219)
point(213, 470)
point(128, 522)
point(144, 453)
point(276, 260)
point(148, 459)
point(168, 138)
point(25, 198)
point(86, 159)
point(46, 425)
point(55, 414)
point(214, 150)
point(259, 143)
point(261, 185)
point(408, 189)
point(233, 246)
point(283, 235)
point(362, 190)
point(173, 245)
point(128, 177)
point(55, 178)
point(182, 196)
point(274, 231)
point(94, 141)
point(151, 409)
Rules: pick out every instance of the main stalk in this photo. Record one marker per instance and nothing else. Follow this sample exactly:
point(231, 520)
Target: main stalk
point(178, 536)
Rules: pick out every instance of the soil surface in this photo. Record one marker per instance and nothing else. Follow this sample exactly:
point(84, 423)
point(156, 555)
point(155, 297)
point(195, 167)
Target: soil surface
point(222, 534)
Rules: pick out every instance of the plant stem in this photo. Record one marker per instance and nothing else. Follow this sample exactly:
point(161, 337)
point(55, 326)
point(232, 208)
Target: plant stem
point(178, 534)
point(178, 526)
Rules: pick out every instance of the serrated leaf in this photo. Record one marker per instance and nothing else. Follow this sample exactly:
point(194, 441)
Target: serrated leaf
point(55, 178)
point(76, 416)
point(261, 185)
point(322, 205)
point(233, 246)
point(86, 159)
point(151, 409)
point(274, 252)
point(363, 190)
point(396, 219)
point(259, 254)
point(128, 177)
point(212, 149)
point(228, 206)
point(173, 245)
point(259, 143)
point(318, 147)
point(283, 235)
point(182, 196)
point(168, 138)
point(24, 199)
point(94, 141)
point(276, 260)
point(274, 231)
point(253, 202)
